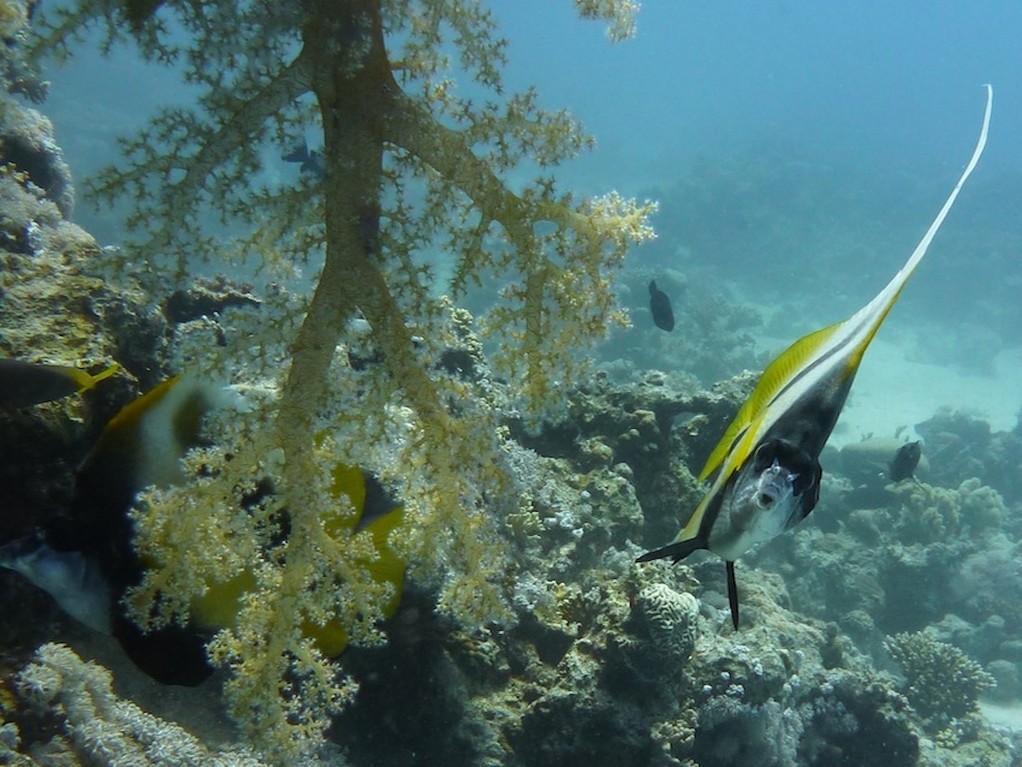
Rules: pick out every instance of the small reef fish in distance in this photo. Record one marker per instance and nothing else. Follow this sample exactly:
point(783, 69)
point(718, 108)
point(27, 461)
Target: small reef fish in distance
point(767, 463)
point(312, 162)
point(660, 308)
point(23, 384)
point(905, 461)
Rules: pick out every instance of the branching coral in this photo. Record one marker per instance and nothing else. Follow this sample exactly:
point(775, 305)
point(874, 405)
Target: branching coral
point(928, 513)
point(931, 513)
point(409, 169)
point(941, 682)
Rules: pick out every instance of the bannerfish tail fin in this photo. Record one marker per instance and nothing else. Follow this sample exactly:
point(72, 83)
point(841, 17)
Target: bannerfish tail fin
point(676, 551)
point(732, 593)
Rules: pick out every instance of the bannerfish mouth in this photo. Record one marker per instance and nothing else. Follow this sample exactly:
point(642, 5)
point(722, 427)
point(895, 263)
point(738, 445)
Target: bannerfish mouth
point(773, 485)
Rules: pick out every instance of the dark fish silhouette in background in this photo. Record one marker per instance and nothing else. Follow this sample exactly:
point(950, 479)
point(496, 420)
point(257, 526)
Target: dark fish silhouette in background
point(905, 461)
point(311, 162)
point(660, 308)
point(23, 384)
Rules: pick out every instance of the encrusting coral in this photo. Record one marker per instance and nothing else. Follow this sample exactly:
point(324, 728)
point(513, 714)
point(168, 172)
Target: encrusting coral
point(408, 168)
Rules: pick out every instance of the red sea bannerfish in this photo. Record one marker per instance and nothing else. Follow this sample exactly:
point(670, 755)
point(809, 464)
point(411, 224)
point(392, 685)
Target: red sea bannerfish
point(767, 463)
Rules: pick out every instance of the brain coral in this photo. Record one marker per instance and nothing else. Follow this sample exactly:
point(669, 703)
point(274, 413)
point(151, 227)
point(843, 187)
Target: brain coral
point(670, 618)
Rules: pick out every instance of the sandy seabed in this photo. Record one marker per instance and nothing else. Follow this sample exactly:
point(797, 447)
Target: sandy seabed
point(892, 391)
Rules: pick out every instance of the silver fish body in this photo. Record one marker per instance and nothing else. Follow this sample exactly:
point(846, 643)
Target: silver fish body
point(775, 490)
point(75, 582)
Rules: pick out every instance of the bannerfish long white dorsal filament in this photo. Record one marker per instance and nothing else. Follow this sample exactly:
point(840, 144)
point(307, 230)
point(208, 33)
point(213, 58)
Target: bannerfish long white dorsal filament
point(767, 463)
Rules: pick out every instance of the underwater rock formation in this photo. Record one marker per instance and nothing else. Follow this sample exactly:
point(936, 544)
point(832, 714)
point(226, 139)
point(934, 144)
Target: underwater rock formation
point(653, 432)
point(961, 445)
point(27, 143)
point(56, 308)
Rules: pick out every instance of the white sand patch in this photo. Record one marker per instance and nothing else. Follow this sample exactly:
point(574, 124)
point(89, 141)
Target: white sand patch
point(892, 391)
point(1002, 714)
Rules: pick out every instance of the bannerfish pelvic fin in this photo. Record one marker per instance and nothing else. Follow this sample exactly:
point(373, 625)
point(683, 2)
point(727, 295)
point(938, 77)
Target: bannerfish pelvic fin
point(767, 462)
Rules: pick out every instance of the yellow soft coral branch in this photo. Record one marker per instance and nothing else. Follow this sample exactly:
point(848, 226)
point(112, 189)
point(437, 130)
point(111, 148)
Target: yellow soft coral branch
point(261, 518)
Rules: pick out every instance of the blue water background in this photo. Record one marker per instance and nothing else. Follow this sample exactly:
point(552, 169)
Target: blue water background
point(831, 131)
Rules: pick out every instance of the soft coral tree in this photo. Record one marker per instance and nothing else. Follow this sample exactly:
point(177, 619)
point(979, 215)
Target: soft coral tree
point(409, 168)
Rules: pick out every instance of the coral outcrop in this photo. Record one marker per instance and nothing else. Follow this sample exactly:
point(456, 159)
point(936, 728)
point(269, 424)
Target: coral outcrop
point(941, 682)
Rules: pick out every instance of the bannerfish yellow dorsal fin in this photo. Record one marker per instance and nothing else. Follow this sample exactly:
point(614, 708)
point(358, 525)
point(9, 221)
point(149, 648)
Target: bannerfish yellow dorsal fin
point(775, 377)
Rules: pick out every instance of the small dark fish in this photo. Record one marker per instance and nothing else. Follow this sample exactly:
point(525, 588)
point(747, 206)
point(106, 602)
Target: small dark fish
point(312, 162)
point(138, 13)
point(660, 307)
point(23, 384)
point(905, 461)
